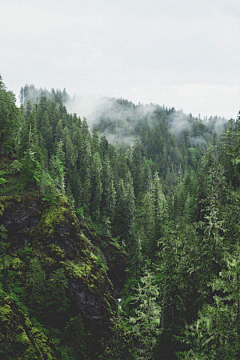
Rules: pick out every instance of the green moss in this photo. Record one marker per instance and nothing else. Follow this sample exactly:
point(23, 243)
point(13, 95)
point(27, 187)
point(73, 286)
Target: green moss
point(16, 263)
point(59, 241)
point(56, 252)
point(5, 203)
point(53, 217)
point(22, 337)
point(94, 277)
point(58, 217)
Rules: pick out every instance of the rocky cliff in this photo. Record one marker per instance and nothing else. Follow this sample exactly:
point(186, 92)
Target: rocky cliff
point(44, 244)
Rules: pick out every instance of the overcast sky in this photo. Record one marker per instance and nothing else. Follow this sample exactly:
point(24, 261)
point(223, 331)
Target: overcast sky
point(178, 53)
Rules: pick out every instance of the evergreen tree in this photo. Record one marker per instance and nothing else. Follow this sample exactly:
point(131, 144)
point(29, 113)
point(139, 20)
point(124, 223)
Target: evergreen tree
point(108, 204)
point(85, 166)
point(216, 332)
point(42, 107)
point(137, 171)
point(31, 168)
point(59, 131)
point(96, 183)
point(125, 210)
point(158, 203)
point(104, 145)
point(46, 131)
point(147, 317)
point(121, 164)
point(57, 170)
point(74, 338)
point(8, 119)
point(95, 142)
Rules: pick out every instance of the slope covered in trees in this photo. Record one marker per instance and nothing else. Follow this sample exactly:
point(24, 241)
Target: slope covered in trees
point(165, 186)
point(175, 142)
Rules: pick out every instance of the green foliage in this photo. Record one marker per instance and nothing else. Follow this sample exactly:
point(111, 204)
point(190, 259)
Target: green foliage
point(216, 332)
point(31, 170)
point(74, 339)
point(192, 157)
point(8, 120)
point(57, 172)
point(25, 252)
point(3, 181)
point(120, 345)
point(47, 188)
point(146, 321)
point(16, 166)
point(100, 262)
point(172, 199)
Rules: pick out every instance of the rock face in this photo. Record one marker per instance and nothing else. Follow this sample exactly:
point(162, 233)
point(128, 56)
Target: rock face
point(94, 267)
point(114, 257)
point(16, 326)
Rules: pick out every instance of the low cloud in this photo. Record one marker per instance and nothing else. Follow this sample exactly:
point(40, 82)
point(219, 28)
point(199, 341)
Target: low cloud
point(121, 115)
point(90, 107)
point(118, 139)
point(119, 119)
point(198, 140)
point(179, 122)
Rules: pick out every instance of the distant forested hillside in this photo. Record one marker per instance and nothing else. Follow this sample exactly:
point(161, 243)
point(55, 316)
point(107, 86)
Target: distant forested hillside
point(172, 141)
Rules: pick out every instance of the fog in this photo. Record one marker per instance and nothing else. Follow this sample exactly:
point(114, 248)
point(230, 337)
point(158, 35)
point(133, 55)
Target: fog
point(118, 119)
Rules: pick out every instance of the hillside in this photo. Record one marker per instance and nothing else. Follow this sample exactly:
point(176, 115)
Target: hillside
point(55, 268)
point(123, 234)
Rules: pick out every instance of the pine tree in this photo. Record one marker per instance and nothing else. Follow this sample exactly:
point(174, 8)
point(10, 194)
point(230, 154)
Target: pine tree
point(74, 336)
point(57, 170)
point(125, 210)
point(95, 142)
point(96, 187)
point(147, 318)
point(70, 194)
point(46, 131)
point(47, 186)
point(158, 203)
point(230, 155)
point(216, 332)
point(59, 131)
point(104, 145)
point(31, 168)
point(70, 153)
point(137, 171)
point(42, 107)
point(144, 222)
point(85, 166)
point(122, 167)
point(35, 286)
point(129, 208)
point(212, 243)
point(8, 119)
point(77, 143)
point(21, 96)
point(108, 205)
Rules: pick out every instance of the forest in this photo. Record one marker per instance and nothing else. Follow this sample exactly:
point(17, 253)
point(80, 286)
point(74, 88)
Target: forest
point(118, 240)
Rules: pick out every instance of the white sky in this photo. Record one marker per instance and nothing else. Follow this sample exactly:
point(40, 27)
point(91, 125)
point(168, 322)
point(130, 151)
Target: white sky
point(178, 53)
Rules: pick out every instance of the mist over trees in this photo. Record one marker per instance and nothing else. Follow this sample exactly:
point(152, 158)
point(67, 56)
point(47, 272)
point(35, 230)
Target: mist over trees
point(165, 186)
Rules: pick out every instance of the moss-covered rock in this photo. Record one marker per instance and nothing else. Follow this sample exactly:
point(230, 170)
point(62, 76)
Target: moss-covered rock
point(19, 338)
point(113, 256)
point(93, 267)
